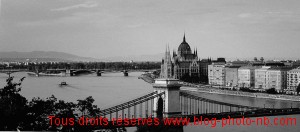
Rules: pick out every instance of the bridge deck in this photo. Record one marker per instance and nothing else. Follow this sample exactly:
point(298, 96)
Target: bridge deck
point(130, 103)
point(217, 116)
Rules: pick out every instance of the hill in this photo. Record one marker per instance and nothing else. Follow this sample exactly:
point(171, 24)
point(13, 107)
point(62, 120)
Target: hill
point(42, 56)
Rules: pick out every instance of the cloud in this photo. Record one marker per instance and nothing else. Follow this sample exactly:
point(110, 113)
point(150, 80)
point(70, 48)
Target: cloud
point(0, 7)
point(83, 5)
point(136, 25)
point(245, 15)
point(77, 18)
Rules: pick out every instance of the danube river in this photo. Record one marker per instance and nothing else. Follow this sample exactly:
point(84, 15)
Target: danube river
point(113, 88)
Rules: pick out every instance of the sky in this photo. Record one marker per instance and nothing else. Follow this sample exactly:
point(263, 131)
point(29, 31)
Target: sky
point(107, 28)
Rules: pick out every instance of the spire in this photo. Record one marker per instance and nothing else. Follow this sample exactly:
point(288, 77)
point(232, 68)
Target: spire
point(166, 49)
point(184, 38)
point(168, 55)
point(174, 54)
point(194, 51)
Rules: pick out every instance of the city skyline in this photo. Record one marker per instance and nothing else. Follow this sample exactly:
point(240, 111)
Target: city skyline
point(100, 29)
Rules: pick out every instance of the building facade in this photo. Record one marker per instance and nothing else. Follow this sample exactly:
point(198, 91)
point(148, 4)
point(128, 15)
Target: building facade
point(216, 74)
point(260, 78)
point(183, 65)
point(277, 78)
point(246, 77)
point(231, 76)
point(204, 70)
point(293, 80)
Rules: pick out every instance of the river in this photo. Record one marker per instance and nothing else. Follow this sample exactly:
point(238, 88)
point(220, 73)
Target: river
point(112, 88)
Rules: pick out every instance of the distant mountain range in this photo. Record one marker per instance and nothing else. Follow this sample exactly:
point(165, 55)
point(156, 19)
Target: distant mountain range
point(66, 57)
point(154, 57)
point(42, 56)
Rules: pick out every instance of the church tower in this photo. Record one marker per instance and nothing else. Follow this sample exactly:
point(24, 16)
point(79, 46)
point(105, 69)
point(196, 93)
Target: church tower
point(167, 66)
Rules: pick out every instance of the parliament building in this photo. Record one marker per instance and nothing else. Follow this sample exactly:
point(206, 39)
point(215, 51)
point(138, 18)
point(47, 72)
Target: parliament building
point(183, 65)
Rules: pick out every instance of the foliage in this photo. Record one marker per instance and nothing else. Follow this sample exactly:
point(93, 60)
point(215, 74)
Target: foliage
point(12, 105)
point(38, 112)
point(247, 90)
point(17, 113)
point(88, 65)
point(86, 107)
point(271, 91)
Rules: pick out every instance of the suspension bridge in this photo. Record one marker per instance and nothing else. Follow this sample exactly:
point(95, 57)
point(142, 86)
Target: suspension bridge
point(168, 101)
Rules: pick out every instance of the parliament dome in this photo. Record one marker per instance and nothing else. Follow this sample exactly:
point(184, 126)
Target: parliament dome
point(184, 47)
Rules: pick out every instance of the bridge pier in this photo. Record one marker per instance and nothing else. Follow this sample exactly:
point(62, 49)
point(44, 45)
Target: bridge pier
point(69, 72)
point(171, 98)
point(125, 73)
point(98, 73)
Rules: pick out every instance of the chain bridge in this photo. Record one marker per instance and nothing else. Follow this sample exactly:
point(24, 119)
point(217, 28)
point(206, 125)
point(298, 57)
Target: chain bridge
point(167, 100)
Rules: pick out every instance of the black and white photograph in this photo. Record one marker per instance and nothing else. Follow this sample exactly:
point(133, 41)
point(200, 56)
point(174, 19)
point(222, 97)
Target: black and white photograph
point(150, 65)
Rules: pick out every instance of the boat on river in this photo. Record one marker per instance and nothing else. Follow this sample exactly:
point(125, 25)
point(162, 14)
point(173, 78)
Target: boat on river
point(63, 83)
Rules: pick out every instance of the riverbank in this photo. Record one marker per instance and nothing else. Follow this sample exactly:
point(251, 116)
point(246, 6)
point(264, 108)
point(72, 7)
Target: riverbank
point(204, 89)
point(240, 93)
point(147, 77)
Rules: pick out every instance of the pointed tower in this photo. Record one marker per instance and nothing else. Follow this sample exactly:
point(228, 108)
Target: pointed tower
point(194, 51)
point(184, 39)
point(169, 55)
point(166, 68)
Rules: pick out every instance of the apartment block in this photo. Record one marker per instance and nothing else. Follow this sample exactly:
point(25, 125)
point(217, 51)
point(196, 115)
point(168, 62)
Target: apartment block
point(260, 76)
point(293, 80)
point(277, 78)
point(246, 76)
point(216, 74)
point(231, 76)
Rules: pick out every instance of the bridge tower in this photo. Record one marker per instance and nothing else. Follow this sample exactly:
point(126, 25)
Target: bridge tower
point(69, 72)
point(169, 103)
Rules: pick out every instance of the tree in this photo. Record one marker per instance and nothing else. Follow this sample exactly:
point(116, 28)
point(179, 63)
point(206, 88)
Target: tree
point(38, 112)
point(12, 105)
point(271, 91)
point(87, 108)
point(17, 113)
point(65, 110)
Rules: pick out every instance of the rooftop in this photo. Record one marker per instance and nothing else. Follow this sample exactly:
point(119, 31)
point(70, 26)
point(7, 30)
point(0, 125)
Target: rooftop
point(280, 68)
point(295, 70)
point(250, 67)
